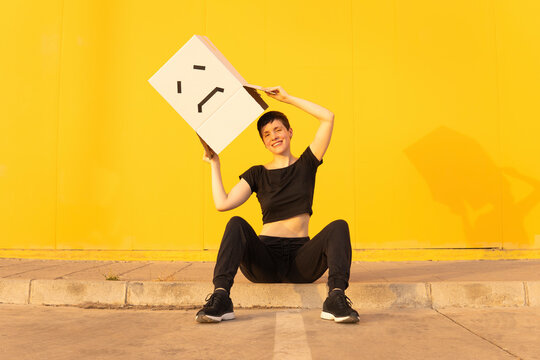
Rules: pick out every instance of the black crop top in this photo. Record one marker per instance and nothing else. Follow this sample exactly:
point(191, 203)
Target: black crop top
point(286, 192)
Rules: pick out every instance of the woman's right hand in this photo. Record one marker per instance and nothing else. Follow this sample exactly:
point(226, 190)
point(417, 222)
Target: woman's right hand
point(277, 92)
point(209, 154)
point(210, 158)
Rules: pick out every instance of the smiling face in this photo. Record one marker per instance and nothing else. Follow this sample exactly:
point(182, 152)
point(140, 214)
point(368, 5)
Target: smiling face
point(276, 137)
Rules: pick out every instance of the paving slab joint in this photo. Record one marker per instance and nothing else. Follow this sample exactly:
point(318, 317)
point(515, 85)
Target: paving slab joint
point(29, 291)
point(477, 334)
point(429, 296)
point(126, 293)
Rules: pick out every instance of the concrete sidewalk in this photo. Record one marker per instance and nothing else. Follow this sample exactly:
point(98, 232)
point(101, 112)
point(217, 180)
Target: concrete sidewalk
point(61, 333)
point(373, 285)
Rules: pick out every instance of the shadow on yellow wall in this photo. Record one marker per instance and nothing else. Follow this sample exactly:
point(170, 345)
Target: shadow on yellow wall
point(462, 176)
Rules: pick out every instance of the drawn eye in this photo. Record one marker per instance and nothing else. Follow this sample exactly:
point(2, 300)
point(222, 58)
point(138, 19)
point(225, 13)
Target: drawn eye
point(179, 83)
point(203, 101)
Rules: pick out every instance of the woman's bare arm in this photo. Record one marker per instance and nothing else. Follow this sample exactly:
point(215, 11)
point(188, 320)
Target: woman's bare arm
point(326, 118)
point(238, 194)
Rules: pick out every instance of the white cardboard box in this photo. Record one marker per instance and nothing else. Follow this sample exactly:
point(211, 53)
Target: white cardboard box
point(208, 92)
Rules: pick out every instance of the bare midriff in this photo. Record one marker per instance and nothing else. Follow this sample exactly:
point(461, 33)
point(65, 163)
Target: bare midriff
point(297, 226)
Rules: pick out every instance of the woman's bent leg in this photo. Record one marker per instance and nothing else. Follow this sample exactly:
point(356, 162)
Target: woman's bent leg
point(241, 246)
point(329, 249)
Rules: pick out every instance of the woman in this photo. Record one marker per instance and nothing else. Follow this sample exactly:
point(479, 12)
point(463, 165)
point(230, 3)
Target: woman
point(283, 251)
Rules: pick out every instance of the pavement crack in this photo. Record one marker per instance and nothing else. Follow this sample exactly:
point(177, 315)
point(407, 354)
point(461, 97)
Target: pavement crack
point(27, 271)
point(478, 335)
point(138, 267)
point(183, 268)
point(74, 272)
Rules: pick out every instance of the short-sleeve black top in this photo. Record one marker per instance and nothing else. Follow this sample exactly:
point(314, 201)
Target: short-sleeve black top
point(286, 192)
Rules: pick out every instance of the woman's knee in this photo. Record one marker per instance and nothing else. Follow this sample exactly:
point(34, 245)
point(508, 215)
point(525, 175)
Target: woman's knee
point(236, 222)
point(340, 226)
point(238, 229)
point(340, 233)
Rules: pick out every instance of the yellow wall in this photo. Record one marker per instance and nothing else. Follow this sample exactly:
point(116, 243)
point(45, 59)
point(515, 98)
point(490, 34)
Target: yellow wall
point(436, 142)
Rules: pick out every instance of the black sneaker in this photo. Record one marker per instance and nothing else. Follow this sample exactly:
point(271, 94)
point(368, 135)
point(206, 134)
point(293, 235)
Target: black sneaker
point(337, 307)
point(218, 307)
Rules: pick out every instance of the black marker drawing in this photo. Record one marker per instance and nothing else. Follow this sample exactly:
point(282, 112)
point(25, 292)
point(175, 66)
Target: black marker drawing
point(212, 93)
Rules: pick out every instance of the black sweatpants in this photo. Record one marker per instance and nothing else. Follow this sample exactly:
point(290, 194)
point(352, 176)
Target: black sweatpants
point(269, 259)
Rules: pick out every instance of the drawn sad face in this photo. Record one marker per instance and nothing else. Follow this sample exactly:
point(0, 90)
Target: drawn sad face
point(211, 94)
point(204, 88)
point(196, 81)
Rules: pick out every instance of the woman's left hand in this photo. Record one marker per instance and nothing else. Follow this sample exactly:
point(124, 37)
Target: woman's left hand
point(277, 92)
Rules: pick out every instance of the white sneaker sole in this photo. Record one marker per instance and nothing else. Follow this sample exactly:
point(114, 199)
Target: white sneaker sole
point(214, 319)
point(345, 319)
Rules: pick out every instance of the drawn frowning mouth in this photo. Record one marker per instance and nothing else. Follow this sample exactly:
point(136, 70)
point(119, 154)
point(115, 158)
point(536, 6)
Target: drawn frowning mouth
point(205, 100)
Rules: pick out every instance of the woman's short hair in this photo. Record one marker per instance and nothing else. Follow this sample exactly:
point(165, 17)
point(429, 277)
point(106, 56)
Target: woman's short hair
point(270, 116)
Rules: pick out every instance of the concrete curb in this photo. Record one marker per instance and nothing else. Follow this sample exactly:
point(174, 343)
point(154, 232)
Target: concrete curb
point(478, 294)
point(248, 295)
point(77, 292)
point(14, 291)
point(533, 293)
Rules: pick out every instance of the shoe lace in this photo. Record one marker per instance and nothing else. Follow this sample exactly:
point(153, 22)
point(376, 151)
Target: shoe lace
point(211, 300)
point(343, 301)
